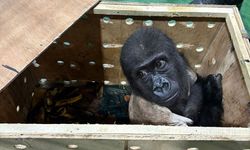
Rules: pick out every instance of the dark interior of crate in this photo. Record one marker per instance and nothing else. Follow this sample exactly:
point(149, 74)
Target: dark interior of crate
point(78, 78)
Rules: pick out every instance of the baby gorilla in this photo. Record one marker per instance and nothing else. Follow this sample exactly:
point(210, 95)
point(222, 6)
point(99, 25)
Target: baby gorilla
point(159, 74)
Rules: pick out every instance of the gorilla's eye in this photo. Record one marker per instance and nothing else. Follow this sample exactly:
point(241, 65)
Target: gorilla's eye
point(141, 74)
point(160, 64)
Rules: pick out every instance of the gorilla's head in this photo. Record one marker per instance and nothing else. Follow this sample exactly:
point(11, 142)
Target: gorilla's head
point(154, 68)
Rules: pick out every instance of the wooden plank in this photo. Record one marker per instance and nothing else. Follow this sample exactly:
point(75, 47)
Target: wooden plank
point(63, 144)
point(16, 98)
point(8, 107)
point(27, 27)
point(153, 9)
point(242, 27)
point(240, 47)
point(189, 145)
point(114, 33)
point(235, 98)
point(197, 36)
point(78, 49)
point(123, 132)
point(215, 55)
point(110, 30)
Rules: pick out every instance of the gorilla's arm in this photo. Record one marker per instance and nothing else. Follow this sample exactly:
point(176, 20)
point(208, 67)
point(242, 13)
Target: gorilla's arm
point(142, 111)
point(204, 105)
point(194, 103)
point(212, 109)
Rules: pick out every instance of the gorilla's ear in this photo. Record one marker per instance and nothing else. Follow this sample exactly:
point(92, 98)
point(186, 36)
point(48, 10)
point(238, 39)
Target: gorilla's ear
point(192, 77)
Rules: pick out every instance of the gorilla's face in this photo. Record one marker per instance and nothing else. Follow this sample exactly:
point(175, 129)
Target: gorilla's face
point(158, 79)
point(154, 68)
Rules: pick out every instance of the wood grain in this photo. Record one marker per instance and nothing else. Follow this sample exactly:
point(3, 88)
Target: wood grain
point(123, 132)
point(84, 47)
point(117, 31)
point(27, 27)
point(162, 9)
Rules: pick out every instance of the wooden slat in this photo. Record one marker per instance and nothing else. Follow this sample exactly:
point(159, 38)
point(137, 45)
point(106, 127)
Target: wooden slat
point(241, 27)
point(153, 9)
point(240, 47)
point(190, 145)
point(123, 132)
point(62, 144)
point(27, 27)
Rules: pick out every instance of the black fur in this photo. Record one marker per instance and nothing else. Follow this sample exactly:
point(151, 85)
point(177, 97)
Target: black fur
point(206, 100)
point(212, 101)
point(158, 73)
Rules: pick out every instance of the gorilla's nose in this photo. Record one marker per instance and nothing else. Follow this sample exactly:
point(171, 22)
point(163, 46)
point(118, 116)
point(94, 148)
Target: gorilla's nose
point(160, 82)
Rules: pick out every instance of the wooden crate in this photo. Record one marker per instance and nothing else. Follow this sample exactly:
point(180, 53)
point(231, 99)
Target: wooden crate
point(68, 40)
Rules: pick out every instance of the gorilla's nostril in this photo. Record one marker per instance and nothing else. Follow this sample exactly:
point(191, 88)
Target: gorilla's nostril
point(167, 85)
point(160, 82)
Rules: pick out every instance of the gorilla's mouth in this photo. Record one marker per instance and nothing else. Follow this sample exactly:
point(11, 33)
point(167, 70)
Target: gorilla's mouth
point(163, 90)
point(172, 96)
point(166, 93)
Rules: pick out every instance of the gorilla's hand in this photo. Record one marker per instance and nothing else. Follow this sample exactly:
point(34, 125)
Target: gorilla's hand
point(177, 120)
point(213, 107)
point(145, 112)
point(213, 89)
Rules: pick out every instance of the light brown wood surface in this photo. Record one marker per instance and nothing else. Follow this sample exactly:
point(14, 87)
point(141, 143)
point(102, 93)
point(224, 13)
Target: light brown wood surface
point(162, 9)
point(27, 27)
point(117, 31)
point(87, 37)
point(123, 132)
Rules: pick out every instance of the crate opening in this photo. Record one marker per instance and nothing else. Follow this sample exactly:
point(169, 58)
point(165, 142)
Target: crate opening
point(78, 78)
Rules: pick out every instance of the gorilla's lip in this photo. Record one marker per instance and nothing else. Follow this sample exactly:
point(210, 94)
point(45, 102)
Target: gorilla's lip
point(171, 97)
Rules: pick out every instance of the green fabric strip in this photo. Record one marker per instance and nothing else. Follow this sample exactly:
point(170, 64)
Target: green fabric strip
point(245, 14)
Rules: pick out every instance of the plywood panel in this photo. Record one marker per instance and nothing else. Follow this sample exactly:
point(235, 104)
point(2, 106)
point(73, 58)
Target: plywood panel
point(191, 37)
point(115, 31)
point(215, 55)
point(75, 55)
point(235, 98)
point(27, 27)
point(15, 99)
